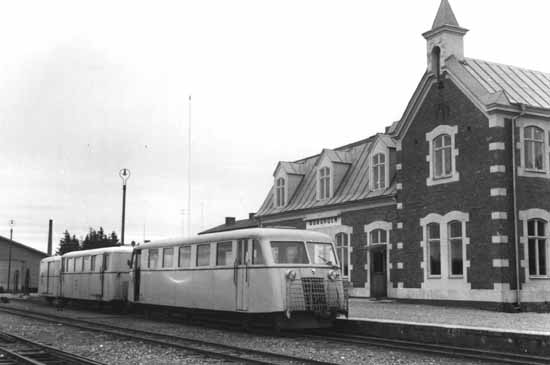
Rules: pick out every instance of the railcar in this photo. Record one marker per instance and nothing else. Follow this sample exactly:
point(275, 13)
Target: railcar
point(97, 275)
point(49, 285)
point(286, 276)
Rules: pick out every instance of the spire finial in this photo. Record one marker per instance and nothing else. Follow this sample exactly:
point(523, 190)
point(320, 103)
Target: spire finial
point(445, 16)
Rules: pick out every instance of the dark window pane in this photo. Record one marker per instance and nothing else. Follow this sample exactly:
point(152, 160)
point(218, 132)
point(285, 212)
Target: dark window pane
point(456, 257)
point(374, 236)
point(289, 252)
point(257, 257)
point(455, 229)
point(433, 230)
point(382, 176)
point(435, 258)
point(439, 163)
point(438, 142)
point(539, 156)
point(446, 140)
point(542, 257)
point(529, 158)
point(383, 236)
point(448, 163)
point(167, 255)
point(538, 134)
point(540, 225)
point(532, 257)
point(531, 227)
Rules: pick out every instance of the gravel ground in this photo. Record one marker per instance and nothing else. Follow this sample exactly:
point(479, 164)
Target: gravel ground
point(423, 313)
point(314, 349)
point(100, 347)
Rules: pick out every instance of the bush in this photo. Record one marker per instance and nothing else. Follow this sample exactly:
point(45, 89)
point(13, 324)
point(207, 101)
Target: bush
point(1, 289)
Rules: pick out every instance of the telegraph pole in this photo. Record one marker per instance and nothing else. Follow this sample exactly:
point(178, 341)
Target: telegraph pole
point(124, 175)
point(11, 223)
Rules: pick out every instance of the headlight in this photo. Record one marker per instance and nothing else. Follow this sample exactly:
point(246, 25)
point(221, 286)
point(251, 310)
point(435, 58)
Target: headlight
point(291, 275)
point(333, 275)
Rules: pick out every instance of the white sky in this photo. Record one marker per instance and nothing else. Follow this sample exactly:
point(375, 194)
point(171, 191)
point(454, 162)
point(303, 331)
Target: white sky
point(87, 88)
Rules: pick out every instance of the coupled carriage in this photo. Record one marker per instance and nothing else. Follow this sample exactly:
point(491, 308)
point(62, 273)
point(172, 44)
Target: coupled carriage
point(288, 277)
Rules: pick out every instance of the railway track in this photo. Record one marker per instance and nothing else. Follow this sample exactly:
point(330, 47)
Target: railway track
point(442, 350)
point(18, 350)
point(205, 348)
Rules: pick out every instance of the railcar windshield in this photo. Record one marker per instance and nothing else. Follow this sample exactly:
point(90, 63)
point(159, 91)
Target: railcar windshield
point(321, 253)
point(289, 252)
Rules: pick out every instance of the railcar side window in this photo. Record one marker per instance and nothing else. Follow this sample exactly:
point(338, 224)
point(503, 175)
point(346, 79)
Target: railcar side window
point(106, 262)
point(86, 263)
point(92, 263)
point(167, 255)
point(321, 253)
point(224, 253)
point(77, 264)
point(153, 258)
point(257, 257)
point(203, 255)
point(185, 256)
point(289, 252)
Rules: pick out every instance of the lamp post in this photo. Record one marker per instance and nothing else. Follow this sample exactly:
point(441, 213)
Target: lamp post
point(11, 223)
point(124, 175)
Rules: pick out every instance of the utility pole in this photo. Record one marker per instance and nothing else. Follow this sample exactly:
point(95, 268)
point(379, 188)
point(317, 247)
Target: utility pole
point(189, 174)
point(11, 223)
point(124, 175)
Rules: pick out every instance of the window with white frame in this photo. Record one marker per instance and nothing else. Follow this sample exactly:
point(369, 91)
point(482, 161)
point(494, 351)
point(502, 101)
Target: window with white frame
point(378, 236)
point(378, 171)
point(442, 153)
point(445, 243)
point(456, 258)
point(537, 247)
point(343, 252)
point(533, 140)
point(443, 164)
point(434, 249)
point(324, 183)
point(280, 192)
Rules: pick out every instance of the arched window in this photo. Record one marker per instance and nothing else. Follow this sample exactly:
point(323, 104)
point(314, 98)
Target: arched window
point(434, 249)
point(537, 247)
point(379, 171)
point(442, 155)
point(534, 148)
point(343, 252)
point(280, 192)
point(324, 183)
point(455, 250)
point(436, 61)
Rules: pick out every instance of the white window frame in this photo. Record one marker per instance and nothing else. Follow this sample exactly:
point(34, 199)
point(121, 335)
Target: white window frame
point(534, 142)
point(382, 225)
point(454, 176)
point(324, 190)
point(378, 166)
point(525, 216)
point(280, 192)
point(522, 124)
point(429, 254)
point(347, 251)
point(450, 253)
point(445, 243)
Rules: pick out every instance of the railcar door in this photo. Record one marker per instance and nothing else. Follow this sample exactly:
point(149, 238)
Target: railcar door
point(137, 271)
point(48, 274)
point(241, 275)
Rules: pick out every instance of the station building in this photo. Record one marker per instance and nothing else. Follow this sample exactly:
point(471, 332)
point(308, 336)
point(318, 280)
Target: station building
point(24, 268)
point(452, 202)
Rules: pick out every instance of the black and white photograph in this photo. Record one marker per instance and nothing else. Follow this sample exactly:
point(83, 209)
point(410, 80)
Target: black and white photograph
point(275, 182)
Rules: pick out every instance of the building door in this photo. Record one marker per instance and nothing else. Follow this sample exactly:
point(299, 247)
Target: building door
point(378, 271)
point(241, 275)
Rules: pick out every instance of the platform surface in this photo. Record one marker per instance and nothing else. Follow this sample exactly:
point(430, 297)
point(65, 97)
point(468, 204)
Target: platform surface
point(424, 314)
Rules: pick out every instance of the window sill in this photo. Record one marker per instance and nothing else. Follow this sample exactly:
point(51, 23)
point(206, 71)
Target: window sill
point(434, 276)
point(540, 277)
point(431, 181)
point(535, 171)
point(456, 277)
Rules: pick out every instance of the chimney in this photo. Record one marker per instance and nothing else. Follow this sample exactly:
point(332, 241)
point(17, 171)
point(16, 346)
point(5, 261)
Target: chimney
point(229, 221)
point(50, 238)
point(251, 215)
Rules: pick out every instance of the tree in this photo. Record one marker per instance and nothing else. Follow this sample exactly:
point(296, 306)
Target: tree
point(67, 244)
point(98, 239)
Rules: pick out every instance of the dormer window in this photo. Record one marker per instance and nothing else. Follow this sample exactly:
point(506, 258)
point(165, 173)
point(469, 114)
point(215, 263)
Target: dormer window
point(379, 171)
point(324, 183)
point(280, 192)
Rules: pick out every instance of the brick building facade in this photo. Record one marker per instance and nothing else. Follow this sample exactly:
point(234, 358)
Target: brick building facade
point(451, 203)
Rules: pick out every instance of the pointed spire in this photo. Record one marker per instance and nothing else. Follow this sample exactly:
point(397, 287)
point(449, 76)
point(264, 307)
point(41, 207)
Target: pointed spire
point(445, 16)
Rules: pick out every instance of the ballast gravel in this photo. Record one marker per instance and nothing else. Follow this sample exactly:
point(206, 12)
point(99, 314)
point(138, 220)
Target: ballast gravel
point(120, 351)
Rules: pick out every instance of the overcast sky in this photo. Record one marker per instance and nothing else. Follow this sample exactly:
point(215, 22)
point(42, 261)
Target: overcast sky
point(87, 88)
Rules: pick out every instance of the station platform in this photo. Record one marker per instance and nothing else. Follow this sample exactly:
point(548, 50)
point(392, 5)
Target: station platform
point(522, 332)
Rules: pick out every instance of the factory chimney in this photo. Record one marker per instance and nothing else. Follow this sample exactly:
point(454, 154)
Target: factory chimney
point(50, 238)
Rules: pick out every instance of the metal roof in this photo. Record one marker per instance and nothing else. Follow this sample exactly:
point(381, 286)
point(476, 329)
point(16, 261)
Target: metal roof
point(239, 224)
point(521, 86)
point(7, 240)
point(354, 186)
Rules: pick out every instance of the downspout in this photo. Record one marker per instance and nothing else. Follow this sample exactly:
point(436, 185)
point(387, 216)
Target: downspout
point(514, 194)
